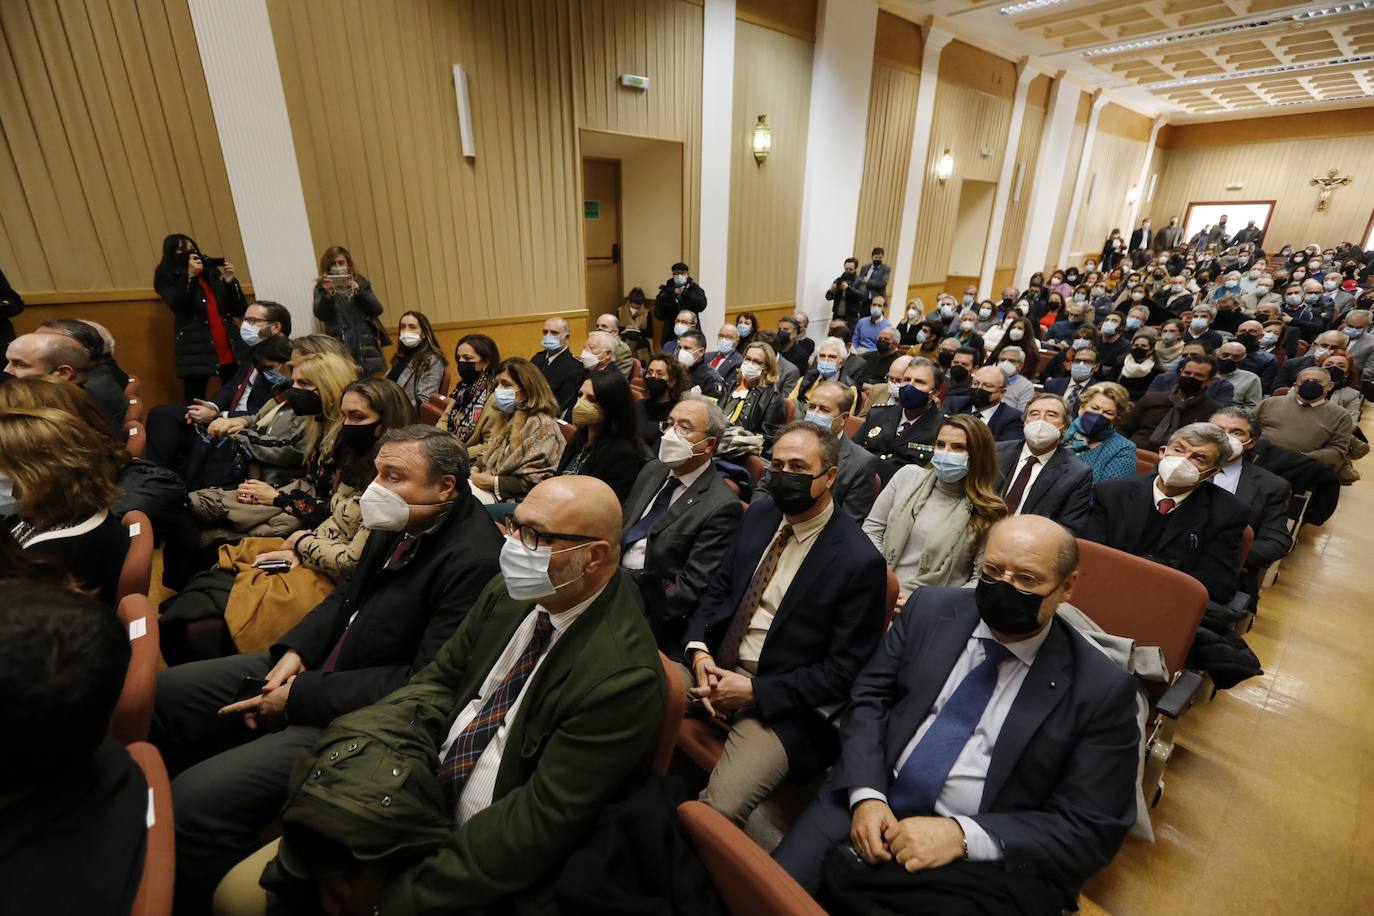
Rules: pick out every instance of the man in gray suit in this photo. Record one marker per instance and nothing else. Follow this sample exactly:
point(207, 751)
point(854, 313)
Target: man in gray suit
point(873, 277)
point(1039, 476)
point(1167, 239)
point(679, 519)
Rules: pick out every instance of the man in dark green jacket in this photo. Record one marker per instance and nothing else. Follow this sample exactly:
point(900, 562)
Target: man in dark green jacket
point(531, 719)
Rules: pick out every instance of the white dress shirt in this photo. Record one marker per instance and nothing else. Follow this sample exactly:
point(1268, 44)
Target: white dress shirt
point(1160, 494)
point(481, 781)
point(1228, 478)
point(962, 794)
point(241, 405)
point(1040, 462)
point(633, 558)
point(986, 413)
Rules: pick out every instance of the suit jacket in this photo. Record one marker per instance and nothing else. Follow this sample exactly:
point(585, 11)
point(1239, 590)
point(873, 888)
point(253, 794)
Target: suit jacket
point(728, 365)
point(588, 722)
point(1061, 784)
point(1168, 238)
point(877, 284)
point(1140, 238)
point(685, 544)
point(1004, 424)
point(258, 393)
point(615, 462)
point(1200, 537)
point(1221, 390)
point(1266, 494)
point(1062, 490)
point(403, 616)
point(825, 628)
point(564, 374)
point(880, 437)
point(1139, 425)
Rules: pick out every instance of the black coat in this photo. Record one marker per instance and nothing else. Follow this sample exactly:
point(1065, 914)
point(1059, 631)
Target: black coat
point(1005, 423)
point(1200, 537)
point(11, 304)
point(1140, 424)
point(616, 462)
point(672, 299)
point(258, 392)
point(564, 373)
point(894, 449)
point(94, 557)
point(404, 615)
point(1062, 491)
point(194, 346)
point(354, 320)
point(1266, 494)
point(764, 411)
point(826, 627)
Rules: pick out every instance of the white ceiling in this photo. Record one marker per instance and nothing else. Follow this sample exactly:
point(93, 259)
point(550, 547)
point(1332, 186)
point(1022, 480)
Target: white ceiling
point(1186, 59)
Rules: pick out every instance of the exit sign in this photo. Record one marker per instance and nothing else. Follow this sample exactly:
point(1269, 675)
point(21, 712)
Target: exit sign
point(591, 209)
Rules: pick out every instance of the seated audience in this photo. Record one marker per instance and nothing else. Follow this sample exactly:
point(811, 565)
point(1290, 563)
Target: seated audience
point(475, 359)
point(1307, 421)
point(1361, 340)
point(679, 519)
point(623, 358)
point(598, 353)
point(1170, 518)
point(1092, 436)
point(607, 444)
point(867, 328)
point(349, 309)
point(856, 484)
point(830, 359)
point(728, 354)
point(746, 326)
point(204, 299)
point(910, 325)
point(1219, 389)
point(1246, 387)
point(1326, 343)
point(63, 357)
point(961, 361)
point(984, 401)
point(884, 391)
point(798, 563)
point(1345, 389)
point(562, 370)
point(885, 351)
point(637, 324)
point(57, 486)
point(102, 379)
point(1084, 369)
point(1112, 344)
point(433, 553)
point(523, 443)
point(1159, 414)
point(793, 345)
point(1264, 493)
point(929, 522)
point(665, 382)
point(417, 366)
point(537, 715)
point(1020, 389)
point(75, 803)
point(691, 353)
point(901, 433)
point(1139, 367)
point(751, 399)
point(974, 821)
point(687, 320)
point(1038, 476)
point(1169, 346)
point(1020, 333)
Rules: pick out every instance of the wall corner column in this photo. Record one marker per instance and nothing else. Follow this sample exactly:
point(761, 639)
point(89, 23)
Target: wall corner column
point(935, 40)
point(1048, 181)
point(243, 76)
point(717, 120)
point(1025, 72)
point(1144, 178)
point(1081, 179)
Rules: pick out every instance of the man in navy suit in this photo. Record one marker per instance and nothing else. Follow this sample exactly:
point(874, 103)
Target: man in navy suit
point(984, 400)
point(988, 754)
point(1038, 476)
point(794, 610)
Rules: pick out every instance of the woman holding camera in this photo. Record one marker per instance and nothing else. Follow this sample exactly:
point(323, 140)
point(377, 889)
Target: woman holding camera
point(205, 298)
point(350, 310)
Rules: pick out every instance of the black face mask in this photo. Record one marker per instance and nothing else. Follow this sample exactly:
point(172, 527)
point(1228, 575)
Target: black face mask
point(1337, 375)
point(1007, 305)
point(1250, 341)
point(946, 358)
point(1188, 386)
point(784, 337)
point(359, 439)
point(1007, 609)
point(468, 372)
point(1226, 366)
point(958, 374)
point(1140, 353)
point(791, 491)
point(980, 397)
point(302, 402)
point(884, 345)
point(655, 387)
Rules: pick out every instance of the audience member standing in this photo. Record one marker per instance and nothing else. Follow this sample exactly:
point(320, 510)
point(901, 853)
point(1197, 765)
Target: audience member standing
point(350, 310)
point(204, 299)
point(680, 293)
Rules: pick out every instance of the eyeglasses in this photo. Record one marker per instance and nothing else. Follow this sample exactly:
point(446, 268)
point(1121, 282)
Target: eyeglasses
point(533, 538)
point(1023, 582)
point(665, 425)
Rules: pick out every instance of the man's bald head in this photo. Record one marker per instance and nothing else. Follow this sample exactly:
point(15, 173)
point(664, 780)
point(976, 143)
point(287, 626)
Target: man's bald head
point(587, 510)
point(29, 355)
point(1038, 541)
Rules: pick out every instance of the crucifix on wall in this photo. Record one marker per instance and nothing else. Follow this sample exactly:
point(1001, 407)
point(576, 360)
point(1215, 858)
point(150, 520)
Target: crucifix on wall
point(1329, 184)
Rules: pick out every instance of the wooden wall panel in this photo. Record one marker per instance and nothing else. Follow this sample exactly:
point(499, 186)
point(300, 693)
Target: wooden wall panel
point(1123, 122)
point(1345, 122)
point(967, 122)
point(891, 119)
point(773, 78)
point(107, 144)
point(791, 17)
point(1027, 158)
point(898, 42)
point(1280, 171)
point(964, 65)
point(1061, 207)
point(1115, 167)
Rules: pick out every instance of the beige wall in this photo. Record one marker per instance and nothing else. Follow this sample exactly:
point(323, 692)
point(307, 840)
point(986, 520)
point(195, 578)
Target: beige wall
point(773, 78)
point(891, 118)
point(1116, 163)
point(107, 144)
point(1027, 159)
point(1061, 206)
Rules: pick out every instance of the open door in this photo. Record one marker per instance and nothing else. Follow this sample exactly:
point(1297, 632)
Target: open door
point(601, 234)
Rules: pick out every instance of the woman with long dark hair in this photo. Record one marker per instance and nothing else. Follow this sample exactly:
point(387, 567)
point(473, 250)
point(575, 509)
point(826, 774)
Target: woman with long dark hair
point(418, 366)
point(665, 381)
point(606, 445)
point(350, 310)
point(205, 298)
point(475, 358)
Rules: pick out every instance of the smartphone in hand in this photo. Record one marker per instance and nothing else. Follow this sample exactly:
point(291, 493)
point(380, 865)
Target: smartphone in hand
point(250, 687)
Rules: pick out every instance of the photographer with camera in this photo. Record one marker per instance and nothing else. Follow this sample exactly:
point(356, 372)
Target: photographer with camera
point(205, 296)
point(679, 293)
point(845, 292)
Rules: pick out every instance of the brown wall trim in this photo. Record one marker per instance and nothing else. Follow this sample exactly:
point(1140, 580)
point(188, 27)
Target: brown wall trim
point(790, 17)
point(1346, 122)
point(1123, 122)
point(898, 43)
point(965, 65)
point(99, 296)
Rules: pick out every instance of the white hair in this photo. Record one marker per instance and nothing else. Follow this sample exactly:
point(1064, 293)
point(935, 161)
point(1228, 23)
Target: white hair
point(603, 340)
point(838, 344)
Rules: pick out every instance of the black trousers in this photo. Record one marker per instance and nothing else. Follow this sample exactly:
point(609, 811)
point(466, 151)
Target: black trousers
point(229, 782)
point(169, 437)
point(194, 386)
point(851, 887)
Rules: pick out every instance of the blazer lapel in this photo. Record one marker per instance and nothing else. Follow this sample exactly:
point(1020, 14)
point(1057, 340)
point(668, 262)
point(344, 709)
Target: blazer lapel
point(1045, 482)
point(635, 508)
point(800, 589)
point(689, 498)
point(1047, 682)
point(926, 676)
point(1185, 517)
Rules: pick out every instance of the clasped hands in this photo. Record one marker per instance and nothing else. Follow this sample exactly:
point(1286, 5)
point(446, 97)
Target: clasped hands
point(719, 690)
point(916, 843)
point(267, 711)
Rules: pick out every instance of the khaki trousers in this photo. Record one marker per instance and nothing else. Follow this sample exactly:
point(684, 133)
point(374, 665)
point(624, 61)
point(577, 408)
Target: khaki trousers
point(239, 894)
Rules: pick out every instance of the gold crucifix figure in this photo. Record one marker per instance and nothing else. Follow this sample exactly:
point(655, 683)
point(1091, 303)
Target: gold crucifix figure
point(1329, 184)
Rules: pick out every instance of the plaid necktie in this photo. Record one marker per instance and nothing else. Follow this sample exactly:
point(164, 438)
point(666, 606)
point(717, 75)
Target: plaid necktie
point(473, 740)
point(728, 653)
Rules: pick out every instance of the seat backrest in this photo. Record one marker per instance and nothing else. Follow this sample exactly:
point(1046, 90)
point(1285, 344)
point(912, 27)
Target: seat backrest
point(134, 410)
point(446, 382)
point(154, 896)
point(748, 880)
point(568, 430)
point(754, 465)
point(433, 408)
point(1142, 466)
point(1143, 456)
point(852, 425)
point(137, 574)
point(1279, 392)
point(1247, 538)
point(789, 408)
point(137, 437)
point(673, 712)
point(1130, 596)
point(636, 371)
point(134, 712)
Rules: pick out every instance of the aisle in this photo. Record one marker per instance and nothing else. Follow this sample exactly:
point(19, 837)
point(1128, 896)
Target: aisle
point(1269, 806)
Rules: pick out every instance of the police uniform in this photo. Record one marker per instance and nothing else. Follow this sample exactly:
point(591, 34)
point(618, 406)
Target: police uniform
point(911, 445)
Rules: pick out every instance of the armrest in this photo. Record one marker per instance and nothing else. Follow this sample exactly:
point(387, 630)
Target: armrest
point(1180, 694)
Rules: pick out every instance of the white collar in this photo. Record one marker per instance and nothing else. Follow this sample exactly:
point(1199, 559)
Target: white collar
point(1160, 494)
point(691, 477)
point(1025, 650)
point(90, 524)
point(564, 619)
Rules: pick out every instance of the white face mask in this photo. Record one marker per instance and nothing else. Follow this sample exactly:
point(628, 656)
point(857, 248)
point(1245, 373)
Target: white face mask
point(686, 357)
point(383, 510)
point(590, 359)
point(410, 339)
point(1016, 333)
point(1042, 434)
point(526, 572)
point(673, 450)
point(750, 371)
point(1177, 471)
point(1009, 368)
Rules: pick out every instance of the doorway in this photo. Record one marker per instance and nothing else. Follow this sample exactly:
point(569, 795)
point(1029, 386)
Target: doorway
point(971, 221)
point(601, 234)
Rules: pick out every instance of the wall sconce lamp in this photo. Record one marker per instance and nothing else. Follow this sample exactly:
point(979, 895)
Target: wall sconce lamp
point(762, 140)
point(945, 167)
point(1133, 195)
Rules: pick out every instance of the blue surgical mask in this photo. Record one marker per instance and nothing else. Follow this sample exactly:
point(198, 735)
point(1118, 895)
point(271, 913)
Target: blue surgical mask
point(744, 329)
point(273, 376)
point(505, 399)
point(1268, 340)
point(1133, 323)
point(1079, 343)
point(1353, 333)
point(552, 342)
point(1110, 327)
point(949, 466)
point(1197, 325)
point(8, 504)
point(1080, 372)
point(681, 328)
point(680, 279)
point(526, 572)
point(250, 334)
point(820, 419)
point(827, 369)
point(724, 345)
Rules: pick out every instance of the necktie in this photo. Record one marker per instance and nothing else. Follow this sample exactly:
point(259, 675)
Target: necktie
point(918, 784)
point(1018, 486)
point(473, 740)
point(398, 553)
point(660, 506)
point(1073, 397)
point(1165, 506)
point(728, 653)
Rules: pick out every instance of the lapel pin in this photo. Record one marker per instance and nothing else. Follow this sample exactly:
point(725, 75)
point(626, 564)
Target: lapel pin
point(1051, 685)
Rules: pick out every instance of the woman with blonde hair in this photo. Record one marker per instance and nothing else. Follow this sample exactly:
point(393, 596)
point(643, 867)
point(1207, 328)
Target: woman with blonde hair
point(1092, 436)
point(350, 310)
point(751, 399)
point(57, 484)
point(930, 523)
point(525, 441)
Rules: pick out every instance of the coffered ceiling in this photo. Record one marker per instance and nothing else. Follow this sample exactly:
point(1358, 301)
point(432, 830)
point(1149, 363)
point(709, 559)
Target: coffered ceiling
point(1183, 57)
